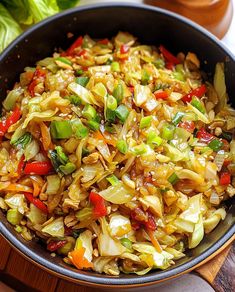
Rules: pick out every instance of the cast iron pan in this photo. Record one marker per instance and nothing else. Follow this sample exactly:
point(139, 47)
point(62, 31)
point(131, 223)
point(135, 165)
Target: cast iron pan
point(151, 26)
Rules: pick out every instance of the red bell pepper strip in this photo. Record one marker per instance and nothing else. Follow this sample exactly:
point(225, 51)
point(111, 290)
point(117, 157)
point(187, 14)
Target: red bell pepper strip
point(12, 119)
point(204, 136)
point(40, 167)
point(76, 44)
point(198, 92)
point(38, 76)
point(169, 66)
point(124, 49)
point(81, 53)
point(168, 56)
point(161, 95)
point(54, 245)
point(187, 125)
point(21, 165)
point(37, 203)
point(103, 42)
point(98, 202)
point(131, 88)
point(150, 224)
point(225, 178)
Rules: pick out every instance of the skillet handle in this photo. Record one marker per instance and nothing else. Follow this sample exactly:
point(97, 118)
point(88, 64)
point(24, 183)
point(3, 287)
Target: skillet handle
point(220, 271)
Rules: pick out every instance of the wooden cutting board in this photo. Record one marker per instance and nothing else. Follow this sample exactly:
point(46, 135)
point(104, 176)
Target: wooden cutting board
point(24, 276)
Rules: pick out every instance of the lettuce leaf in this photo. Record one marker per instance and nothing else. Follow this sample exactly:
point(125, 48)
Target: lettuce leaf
point(9, 28)
point(19, 9)
point(65, 4)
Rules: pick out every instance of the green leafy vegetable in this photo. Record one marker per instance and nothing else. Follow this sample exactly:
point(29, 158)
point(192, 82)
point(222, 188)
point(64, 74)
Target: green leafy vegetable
point(9, 28)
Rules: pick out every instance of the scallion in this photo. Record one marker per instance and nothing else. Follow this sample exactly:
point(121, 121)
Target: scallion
point(61, 129)
point(61, 155)
point(110, 115)
point(177, 118)
point(113, 180)
point(153, 139)
point(122, 146)
point(68, 168)
point(74, 99)
point(145, 77)
point(79, 72)
point(122, 112)
point(118, 92)
point(139, 149)
point(64, 60)
point(23, 140)
point(81, 131)
point(198, 105)
point(111, 103)
point(159, 63)
point(145, 122)
point(173, 178)
point(93, 125)
point(126, 242)
point(168, 131)
point(89, 112)
point(115, 67)
point(82, 80)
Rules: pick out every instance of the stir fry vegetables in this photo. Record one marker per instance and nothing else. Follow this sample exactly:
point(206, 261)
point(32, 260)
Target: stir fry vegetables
point(118, 155)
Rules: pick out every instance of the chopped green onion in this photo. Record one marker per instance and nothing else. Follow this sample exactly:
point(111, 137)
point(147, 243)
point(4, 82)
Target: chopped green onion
point(81, 131)
point(118, 92)
point(126, 242)
point(122, 146)
point(198, 105)
point(122, 112)
point(145, 77)
point(173, 178)
point(145, 122)
point(153, 139)
point(61, 129)
point(14, 216)
point(93, 125)
point(63, 158)
point(23, 140)
point(89, 112)
point(85, 152)
point(18, 229)
point(67, 168)
point(113, 180)
point(115, 67)
point(110, 128)
point(64, 60)
point(139, 149)
point(159, 63)
point(111, 103)
point(55, 159)
point(69, 246)
point(179, 76)
point(179, 68)
point(74, 99)
point(82, 81)
point(216, 144)
point(177, 118)
point(79, 72)
point(168, 131)
point(110, 115)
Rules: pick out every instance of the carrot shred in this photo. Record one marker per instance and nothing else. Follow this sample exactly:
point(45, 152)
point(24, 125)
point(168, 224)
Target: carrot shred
point(108, 140)
point(36, 188)
point(78, 259)
point(18, 188)
point(154, 240)
point(46, 137)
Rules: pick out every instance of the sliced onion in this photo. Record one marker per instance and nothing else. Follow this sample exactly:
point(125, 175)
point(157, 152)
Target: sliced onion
point(214, 198)
point(219, 159)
